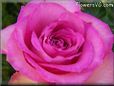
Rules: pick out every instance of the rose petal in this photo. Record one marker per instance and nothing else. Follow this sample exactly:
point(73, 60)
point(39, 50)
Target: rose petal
point(5, 35)
point(102, 28)
point(93, 37)
point(103, 74)
point(74, 21)
point(70, 5)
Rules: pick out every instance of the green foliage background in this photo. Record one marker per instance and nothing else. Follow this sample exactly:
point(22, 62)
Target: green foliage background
point(10, 12)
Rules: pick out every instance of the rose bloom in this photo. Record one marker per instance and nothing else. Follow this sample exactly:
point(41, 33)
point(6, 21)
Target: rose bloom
point(54, 42)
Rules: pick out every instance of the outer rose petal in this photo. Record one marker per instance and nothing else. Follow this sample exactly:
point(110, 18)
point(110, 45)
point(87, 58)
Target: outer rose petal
point(70, 5)
point(4, 37)
point(16, 58)
point(102, 28)
point(104, 73)
point(95, 39)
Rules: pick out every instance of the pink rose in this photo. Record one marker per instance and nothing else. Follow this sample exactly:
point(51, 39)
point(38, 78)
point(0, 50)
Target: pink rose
point(54, 42)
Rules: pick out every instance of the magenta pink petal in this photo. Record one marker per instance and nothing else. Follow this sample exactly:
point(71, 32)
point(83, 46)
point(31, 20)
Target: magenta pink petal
point(70, 5)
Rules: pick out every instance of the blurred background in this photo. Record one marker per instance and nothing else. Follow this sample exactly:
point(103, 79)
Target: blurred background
point(10, 12)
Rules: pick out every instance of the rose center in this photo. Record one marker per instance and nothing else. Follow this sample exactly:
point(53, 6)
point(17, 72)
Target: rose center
point(58, 43)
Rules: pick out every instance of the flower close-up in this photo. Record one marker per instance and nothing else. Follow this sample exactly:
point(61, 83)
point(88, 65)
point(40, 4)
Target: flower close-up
point(54, 42)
